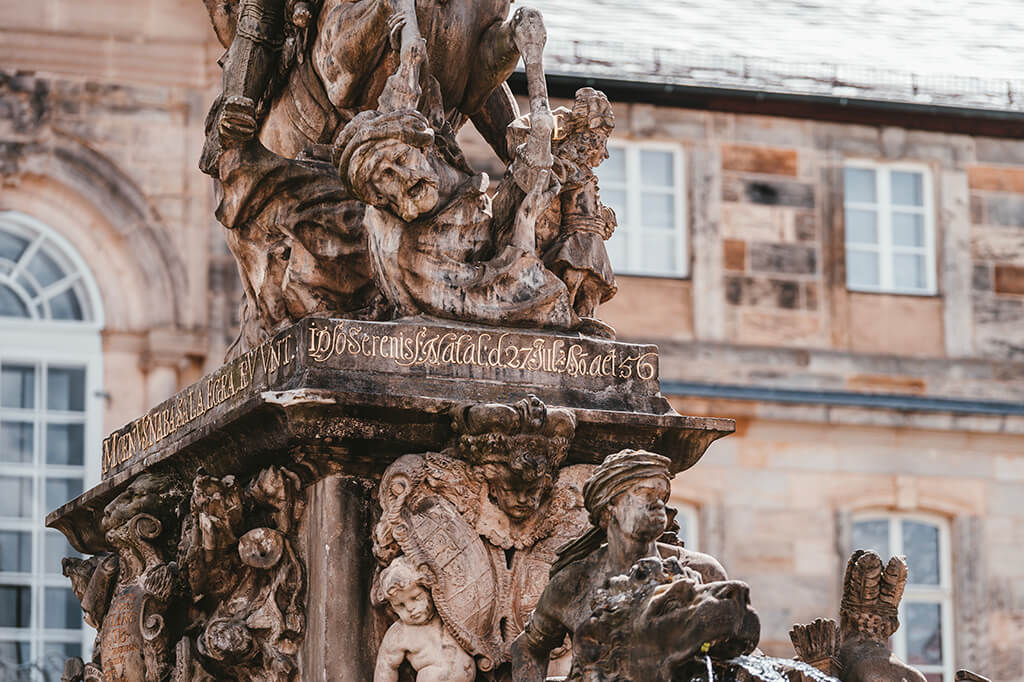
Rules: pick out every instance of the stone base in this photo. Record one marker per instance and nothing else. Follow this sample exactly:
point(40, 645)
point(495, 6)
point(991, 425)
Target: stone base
point(336, 402)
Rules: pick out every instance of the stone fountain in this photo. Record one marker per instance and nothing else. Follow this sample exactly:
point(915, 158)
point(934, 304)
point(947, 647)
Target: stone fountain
point(425, 457)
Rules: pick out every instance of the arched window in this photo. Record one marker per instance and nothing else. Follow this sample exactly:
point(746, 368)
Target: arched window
point(925, 637)
point(50, 421)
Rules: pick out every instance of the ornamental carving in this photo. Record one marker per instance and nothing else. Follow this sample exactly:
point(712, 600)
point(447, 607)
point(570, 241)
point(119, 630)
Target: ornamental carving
point(476, 528)
point(200, 585)
point(344, 191)
point(857, 650)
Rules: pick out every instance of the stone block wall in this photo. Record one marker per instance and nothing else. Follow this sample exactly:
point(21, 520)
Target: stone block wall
point(997, 250)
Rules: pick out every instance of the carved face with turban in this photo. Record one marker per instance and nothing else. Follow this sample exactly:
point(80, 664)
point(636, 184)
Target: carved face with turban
point(383, 158)
point(628, 493)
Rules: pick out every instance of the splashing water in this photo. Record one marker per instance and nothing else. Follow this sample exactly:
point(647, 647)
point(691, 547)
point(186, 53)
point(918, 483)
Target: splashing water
point(768, 668)
point(711, 669)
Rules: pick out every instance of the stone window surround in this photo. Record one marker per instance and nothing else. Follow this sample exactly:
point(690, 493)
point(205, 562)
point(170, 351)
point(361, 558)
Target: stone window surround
point(883, 205)
point(941, 593)
point(43, 343)
point(633, 188)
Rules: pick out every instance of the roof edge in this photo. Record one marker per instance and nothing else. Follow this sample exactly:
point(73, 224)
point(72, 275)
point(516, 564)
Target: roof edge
point(875, 112)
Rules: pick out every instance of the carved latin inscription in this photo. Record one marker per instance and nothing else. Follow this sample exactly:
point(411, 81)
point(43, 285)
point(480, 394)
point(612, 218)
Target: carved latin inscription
point(427, 347)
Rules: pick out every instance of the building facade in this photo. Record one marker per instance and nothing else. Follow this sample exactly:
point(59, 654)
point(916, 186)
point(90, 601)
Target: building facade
point(846, 280)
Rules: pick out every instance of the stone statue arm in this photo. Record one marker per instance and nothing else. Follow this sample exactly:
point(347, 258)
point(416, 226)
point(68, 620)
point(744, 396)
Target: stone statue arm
point(389, 656)
point(544, 632)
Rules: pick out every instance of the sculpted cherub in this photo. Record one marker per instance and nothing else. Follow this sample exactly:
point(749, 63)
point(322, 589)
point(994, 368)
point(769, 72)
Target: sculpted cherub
point(517, 450)
point(487, 516)
point(418, 636)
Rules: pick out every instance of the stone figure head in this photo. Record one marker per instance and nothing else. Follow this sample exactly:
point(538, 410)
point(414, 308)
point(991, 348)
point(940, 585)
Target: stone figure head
point(517, 449)
point(590, 125)
point(384, 160)
point(406, 588)
point(653, 622)
point(627, 493)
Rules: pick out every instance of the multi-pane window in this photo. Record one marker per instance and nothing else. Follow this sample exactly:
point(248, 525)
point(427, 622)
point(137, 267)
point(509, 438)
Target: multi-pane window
point(925, 637)
point(890, 228)
point(49, 428)
point(644, 185)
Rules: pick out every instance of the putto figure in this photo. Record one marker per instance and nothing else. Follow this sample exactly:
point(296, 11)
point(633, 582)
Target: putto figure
point(625, 499)
point(485, 517)
point(418, 636)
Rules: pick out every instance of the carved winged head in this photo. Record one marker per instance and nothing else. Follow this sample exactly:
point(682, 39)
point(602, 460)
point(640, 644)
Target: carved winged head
point(383, 159)
point(653, 622)
point(518, 448)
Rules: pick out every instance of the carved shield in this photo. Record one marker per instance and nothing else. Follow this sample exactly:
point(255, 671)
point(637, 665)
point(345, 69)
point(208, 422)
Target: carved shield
point(465, 587)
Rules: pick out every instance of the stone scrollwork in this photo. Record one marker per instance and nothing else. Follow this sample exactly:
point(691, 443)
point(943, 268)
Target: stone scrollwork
point(128, 595)
point(198, 586)
point(481, 521)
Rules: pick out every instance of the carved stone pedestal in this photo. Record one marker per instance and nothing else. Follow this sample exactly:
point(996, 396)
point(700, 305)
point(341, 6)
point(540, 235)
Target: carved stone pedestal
point(242, 529)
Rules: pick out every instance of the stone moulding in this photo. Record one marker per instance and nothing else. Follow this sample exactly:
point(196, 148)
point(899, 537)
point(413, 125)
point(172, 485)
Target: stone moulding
point(406, 358)
point(330, 396)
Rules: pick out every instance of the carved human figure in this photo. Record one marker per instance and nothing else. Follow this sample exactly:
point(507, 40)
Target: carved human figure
point(572, 231)
point(418, 636)
point(487, 516)
point(437, 242)
point(299, 70)
point(625, 498)
point(406, 229)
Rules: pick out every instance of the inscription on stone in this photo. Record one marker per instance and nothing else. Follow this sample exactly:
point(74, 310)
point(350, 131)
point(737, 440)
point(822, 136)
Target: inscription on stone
point(431, 347)
point(121, 638)
point(420, 350)
point(245, 375)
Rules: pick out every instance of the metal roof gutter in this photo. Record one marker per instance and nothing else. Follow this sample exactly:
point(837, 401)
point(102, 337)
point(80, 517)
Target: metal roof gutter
point(931, 117)
point(879, 401)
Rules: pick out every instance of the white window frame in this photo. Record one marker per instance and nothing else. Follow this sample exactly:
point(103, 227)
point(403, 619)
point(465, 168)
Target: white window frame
point(633, 190)
point(931, 594)
point(883, 208)
point(691, 514)
point(43, 343)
